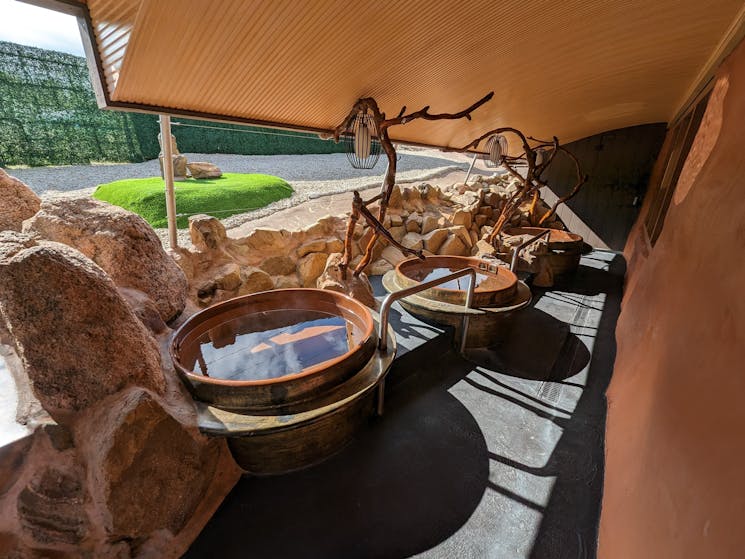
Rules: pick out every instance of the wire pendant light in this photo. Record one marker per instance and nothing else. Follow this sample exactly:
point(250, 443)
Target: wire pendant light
point(542, 155)
point(496, 148)
point(361, 145)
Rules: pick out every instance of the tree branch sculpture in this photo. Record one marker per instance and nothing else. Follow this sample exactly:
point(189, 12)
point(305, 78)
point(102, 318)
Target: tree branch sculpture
point(360, 206)
point(532, 182)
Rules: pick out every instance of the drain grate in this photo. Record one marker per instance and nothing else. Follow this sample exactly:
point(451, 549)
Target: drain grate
point(550, 391)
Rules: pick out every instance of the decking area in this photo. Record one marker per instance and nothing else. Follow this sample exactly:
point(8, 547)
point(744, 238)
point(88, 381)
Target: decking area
point(495, 453)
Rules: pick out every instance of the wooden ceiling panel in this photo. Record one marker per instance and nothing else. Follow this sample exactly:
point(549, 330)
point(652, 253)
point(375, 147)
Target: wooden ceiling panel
point(571, 69)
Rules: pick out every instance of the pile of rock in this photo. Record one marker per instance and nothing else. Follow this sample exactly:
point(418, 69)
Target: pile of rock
point(454, 221)
point(219, 267)
point(115, 465)
point(183, 169)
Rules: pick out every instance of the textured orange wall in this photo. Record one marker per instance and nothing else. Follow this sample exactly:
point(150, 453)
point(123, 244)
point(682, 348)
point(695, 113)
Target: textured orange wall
point(675, 470)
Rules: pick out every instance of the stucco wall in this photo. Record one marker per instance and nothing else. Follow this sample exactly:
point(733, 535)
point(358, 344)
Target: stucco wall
point(675, 473)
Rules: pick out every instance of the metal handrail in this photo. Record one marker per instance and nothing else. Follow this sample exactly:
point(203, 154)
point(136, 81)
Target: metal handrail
point(385, 309)
point(517, 249)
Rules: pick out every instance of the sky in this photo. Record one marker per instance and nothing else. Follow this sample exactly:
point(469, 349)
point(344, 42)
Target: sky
point(38, 27)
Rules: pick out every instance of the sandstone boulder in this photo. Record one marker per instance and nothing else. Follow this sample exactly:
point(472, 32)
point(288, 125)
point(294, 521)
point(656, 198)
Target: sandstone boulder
point(316, 245)
point(379, 267)
point(393, 255)
point(433, 240)
point(206, 232)
point(255, 280)
point(412, 241)
point(453, 246)
point(120, 242)
point(204, 170)
point(430, 222)
point(153, 471)
point(51, 508)
point(356, 287)
point(462, 217)
point(279, 265)
point(18, 202)
point(77, 337)
point(310, 267)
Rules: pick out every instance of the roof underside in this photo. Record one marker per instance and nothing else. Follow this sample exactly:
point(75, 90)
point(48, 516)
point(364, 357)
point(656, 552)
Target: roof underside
point(571, 69)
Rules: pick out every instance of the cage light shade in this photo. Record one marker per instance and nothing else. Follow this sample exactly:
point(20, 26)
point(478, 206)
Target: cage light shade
point(496, 147)
point(363, 150)
point(542, 155)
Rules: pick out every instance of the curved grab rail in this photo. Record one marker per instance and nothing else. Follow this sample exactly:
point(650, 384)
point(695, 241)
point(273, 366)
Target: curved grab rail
point(385, 310)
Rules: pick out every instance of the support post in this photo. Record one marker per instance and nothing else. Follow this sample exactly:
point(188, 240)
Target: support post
point(470, 168)
point(165, 134)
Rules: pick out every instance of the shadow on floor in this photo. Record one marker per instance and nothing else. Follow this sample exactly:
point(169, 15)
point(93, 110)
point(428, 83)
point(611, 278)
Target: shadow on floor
point(497, 455)
point(405, 484)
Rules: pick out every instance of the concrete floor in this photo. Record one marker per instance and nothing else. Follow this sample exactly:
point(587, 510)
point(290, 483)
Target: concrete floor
point(495, 454)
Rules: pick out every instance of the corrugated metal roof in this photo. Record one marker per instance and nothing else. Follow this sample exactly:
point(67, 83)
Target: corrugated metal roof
point(571, 68)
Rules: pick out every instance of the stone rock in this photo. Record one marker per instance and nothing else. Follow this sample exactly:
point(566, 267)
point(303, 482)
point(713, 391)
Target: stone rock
point(267, 241)
point(379, 267)
point(463, 233)
point(179, 166)
point(357, 287)
point(395, 200)
point(144, 309)
point(493, 199)
point(430, 223)
point(414, 223)
point(310, 267)
point(255, 280)
point(486, 230)
point(333, 245)
point(51, 508)
point(433, 240)
point(377, 248)
point(412, 241)
point(286, 282)
point(228, 276)
point(474, 236)
point(480, 220)
point(68, 320)
point(462, 217)
point(206, 232)
point(484, 248)
point(396, 220)
point(393, 255)
point(19, 202)
point(397, 233)
point(317, 245)
point(453, 246)
point(488, 211)
point(279, 265)
point(153, 471)
point(204, 170)
point(120, 242)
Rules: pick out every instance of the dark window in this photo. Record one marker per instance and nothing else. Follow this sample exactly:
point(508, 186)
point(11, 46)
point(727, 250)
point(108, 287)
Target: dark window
point(682, 135)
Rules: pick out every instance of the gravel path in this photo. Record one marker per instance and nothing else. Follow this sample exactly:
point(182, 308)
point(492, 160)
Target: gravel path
point(292, 168)
point(311, 176)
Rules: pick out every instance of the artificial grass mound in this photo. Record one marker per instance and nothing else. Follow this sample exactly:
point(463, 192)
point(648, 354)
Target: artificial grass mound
point(233, 193)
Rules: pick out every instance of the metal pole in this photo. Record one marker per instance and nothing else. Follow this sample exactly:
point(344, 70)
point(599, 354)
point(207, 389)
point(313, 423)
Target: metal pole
point(517, 249)
point(165, 134)
point(468, 174)
point(385, 310)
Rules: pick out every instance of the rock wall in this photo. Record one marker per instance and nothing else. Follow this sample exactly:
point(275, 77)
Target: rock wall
point(450, 221)
point(674, 483)
point(115, 465)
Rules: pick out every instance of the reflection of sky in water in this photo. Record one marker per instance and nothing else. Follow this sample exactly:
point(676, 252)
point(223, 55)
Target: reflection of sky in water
point(483, 281)
point(271, 353)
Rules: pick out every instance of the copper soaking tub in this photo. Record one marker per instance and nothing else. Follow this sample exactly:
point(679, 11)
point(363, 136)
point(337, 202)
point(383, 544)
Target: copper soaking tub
point(286, 375)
